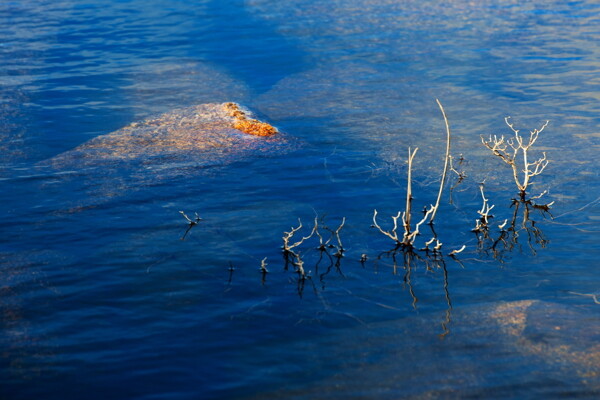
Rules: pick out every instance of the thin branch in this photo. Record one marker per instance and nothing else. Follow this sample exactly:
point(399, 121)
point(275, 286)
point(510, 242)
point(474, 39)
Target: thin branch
point(407, 212)
point(454, 252)
point(391, 234)
point(288, 235)
point(437, 203)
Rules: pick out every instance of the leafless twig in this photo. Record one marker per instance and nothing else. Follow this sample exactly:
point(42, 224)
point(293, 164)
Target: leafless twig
point(288, 235)
point(192, 223)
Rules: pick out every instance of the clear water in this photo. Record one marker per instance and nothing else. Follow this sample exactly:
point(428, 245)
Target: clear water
point(100, 297)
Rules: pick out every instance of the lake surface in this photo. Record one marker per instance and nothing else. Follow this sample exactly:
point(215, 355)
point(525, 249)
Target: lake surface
point(101, 298)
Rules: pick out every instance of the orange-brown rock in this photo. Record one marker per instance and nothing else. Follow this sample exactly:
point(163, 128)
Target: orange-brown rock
point(248, 125)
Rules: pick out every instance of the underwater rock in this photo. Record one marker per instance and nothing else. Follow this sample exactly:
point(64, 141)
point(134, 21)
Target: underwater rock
point(202, 132)
point(554, 333)
point(181, 144)
point(527, 348)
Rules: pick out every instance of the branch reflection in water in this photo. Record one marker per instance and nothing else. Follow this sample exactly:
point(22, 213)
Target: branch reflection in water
point(433, 260)
point(521, 224)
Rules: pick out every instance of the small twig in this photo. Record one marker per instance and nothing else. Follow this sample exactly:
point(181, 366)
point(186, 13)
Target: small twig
point(192, 223)
point(336, 233)
point(263, 266)
point(391, 234)
point(455, 252)
point(485, 208)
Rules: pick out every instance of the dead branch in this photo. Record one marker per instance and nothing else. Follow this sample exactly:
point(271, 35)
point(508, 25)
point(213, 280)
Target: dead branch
point(336, 233)
point(508, 151)
point(188, 219)
point(446, 162)
point(288, 235)
point(392, 234)
point(407, 214)
point(192, 223)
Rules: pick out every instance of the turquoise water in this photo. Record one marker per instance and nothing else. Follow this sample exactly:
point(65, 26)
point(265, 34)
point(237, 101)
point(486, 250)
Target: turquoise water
point(100, 297)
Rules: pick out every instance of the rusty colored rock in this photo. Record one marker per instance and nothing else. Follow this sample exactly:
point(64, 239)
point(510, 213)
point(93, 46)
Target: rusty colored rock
point(248, 125)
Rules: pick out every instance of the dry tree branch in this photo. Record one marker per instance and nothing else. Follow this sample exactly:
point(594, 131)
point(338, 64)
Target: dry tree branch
point(322, 245)
point(485, 208)
point(263, 270)
point(393, 234)
point(192, 222)
point(336, 233)
point(518, 144)
point(446, 162)
point(460, 174)
point(407, 214)
point(482, 229)
point(288, 235)
point(456, 251)
point(409, 238)
point(263, 266)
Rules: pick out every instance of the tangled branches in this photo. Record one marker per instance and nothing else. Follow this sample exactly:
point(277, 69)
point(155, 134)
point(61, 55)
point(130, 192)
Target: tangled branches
point(508, 150)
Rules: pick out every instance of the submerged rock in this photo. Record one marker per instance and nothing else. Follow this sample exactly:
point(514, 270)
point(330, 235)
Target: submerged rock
point(519, 349)
point(201, 133)
point(168, 150)
point(554, 333)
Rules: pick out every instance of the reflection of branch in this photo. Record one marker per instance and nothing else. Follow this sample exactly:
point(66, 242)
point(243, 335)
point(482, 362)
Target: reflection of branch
point(408, 257)
point(513, 229)
point(432, 260)
point(448, 301)
point(329, 268)
point(230, 269)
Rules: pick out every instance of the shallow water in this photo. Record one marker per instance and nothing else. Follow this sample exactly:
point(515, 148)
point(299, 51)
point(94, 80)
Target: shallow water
point(101, 297)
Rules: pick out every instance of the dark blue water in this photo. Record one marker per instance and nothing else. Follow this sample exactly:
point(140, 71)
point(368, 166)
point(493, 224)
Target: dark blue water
point(100, 297)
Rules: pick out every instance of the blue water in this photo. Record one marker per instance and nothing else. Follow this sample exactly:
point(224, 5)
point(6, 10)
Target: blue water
point(100, 297)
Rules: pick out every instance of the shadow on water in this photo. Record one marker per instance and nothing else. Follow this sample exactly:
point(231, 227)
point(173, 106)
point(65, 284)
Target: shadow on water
point(248, 47)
